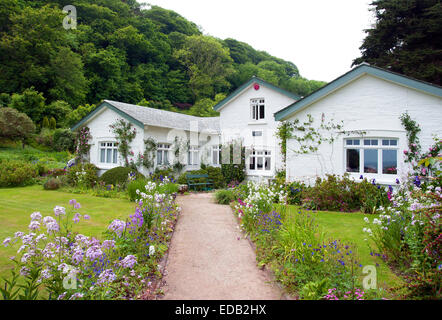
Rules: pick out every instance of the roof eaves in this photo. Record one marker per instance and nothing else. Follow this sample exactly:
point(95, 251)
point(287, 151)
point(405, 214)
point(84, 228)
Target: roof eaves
point(254, 79)
point(352, 75)
point(109, 105)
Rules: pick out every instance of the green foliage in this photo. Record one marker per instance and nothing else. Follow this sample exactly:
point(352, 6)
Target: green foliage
point(59, 111)
point(14, 173)
point(45, 137)
point(225, 196)
point(45, 123)
point(118, 176)
point(408, 237)
point(15, 125)
point(406, 38)
point(52, 123)
point(82, 145)
point(73, 117)
point(204, 107)
point(30, 102)
point(133, 186)
point(83, 175)
point(315, 290)
point(125, 133)
point(295, 192)
point(159, 174)
point(169, 21)
point(214, 174)
point(52, 184)
point(64, 140)
point(343, 194)
point(412, 128)
point(208, 65)
point(235, 171)
point(121, 51)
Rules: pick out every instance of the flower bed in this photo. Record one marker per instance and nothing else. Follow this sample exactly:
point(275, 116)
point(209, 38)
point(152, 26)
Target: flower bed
point(54, 262)
point(409, 236)
point(294, 247)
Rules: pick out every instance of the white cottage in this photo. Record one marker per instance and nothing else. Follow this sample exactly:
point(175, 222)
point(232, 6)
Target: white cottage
point(162, 126)
point(247, 115)
point(368, 101)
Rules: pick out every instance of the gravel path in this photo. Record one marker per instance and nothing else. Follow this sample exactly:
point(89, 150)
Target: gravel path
point(207, 261)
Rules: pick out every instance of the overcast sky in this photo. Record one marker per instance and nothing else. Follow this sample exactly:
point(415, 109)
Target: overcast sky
point(322, 37)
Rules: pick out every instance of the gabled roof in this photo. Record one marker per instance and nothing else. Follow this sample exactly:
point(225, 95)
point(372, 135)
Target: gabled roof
point(353, 74)
point(246, 85)
point(141, 116)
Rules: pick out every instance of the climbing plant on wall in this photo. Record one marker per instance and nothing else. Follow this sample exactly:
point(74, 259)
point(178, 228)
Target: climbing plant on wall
point(179, 147)
point(125, 133)
point(309, 137)
point(82, 138)
point(147, 159)
point(412, 128)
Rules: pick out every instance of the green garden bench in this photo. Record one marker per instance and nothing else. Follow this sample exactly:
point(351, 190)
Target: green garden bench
point(199, 180)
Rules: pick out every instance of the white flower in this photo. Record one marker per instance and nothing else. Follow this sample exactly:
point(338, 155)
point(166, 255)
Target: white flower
point(151, 250)
point(366, 220)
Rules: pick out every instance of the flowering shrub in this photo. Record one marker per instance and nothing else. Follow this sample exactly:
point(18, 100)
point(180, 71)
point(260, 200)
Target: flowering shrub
point(82, 175)
point(55, 261)
point(409, 234)
point(344, 194)
point(258, 199)
point(83, 136)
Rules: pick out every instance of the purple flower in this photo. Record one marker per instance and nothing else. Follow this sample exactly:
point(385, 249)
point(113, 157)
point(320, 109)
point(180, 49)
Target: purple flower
point(129, 261)
point(59, 211)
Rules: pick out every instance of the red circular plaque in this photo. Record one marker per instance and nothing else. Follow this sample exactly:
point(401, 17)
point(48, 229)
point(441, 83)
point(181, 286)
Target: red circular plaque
point(256, 86)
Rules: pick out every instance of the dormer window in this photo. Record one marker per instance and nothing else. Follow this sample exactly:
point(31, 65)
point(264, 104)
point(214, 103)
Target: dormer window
point(257, 109)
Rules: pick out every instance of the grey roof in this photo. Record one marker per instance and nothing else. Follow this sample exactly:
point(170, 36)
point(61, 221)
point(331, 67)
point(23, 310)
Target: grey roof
point(167, 119)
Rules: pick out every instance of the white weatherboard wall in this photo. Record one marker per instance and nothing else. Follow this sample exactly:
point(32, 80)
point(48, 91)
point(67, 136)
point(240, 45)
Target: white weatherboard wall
point(236, 124)
point(101, 132)
point(369, 104)
point(167, 136)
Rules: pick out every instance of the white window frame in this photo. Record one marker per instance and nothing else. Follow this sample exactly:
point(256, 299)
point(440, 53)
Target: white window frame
point(256, 113)
point(193, 156)
point(108, 145)
point(370, 146)
point(163, 150)
point(260, 156)
point(216, 154)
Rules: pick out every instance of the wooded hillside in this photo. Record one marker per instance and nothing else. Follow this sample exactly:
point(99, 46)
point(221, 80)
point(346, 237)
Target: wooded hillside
point(121, 51)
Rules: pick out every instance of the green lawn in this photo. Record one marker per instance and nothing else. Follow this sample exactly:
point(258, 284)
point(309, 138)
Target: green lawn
point(17, 204)
point(348, 228)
